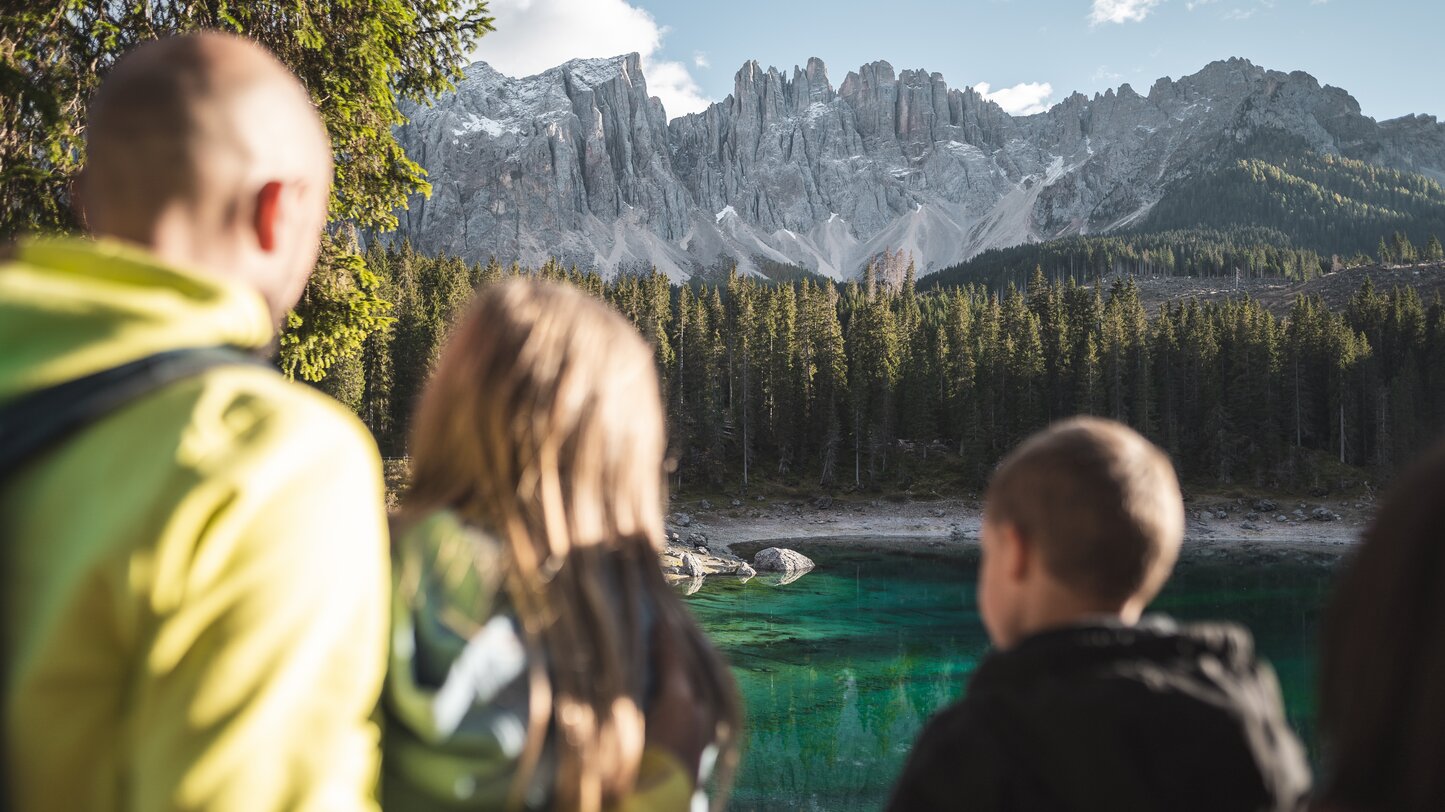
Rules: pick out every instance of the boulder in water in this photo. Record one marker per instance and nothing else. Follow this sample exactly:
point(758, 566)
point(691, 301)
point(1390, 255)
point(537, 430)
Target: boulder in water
point(691, 567)
point(778, 559)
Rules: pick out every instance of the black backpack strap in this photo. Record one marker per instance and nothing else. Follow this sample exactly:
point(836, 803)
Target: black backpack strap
point(40, 420)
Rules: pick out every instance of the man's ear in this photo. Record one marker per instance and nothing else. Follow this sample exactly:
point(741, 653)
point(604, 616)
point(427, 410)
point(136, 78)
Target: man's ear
point(1019, 557)
point(270, 205)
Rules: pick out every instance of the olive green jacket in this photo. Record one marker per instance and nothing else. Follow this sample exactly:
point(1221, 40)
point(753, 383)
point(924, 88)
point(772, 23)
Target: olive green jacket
point(456, 700)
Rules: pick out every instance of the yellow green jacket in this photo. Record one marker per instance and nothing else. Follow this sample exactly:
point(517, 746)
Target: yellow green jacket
point(195, 587)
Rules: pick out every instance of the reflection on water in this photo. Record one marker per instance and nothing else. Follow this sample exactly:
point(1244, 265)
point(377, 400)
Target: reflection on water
point(840, 669)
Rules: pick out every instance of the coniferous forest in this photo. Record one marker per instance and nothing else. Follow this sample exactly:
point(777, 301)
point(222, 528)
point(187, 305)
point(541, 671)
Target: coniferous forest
point(877, 385)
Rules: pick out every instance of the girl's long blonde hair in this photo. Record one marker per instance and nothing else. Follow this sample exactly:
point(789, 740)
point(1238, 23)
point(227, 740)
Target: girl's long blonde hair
point(543, 423)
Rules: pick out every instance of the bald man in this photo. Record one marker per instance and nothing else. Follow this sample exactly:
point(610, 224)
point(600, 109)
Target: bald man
point(194, 583)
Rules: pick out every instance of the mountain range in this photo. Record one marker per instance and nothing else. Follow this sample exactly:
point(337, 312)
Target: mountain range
point(581, 163)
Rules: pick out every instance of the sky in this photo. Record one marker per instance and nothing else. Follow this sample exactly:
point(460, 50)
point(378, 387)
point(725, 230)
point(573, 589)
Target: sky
point(1024, 54)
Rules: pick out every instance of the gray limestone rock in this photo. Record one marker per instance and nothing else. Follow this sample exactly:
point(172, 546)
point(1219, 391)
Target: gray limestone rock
point(778, 559)
point(691, 567)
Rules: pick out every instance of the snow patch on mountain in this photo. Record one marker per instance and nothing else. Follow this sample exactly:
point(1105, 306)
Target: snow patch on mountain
point(486, 126)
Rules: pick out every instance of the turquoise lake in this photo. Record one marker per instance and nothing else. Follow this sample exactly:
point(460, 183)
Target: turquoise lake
point(840, 669)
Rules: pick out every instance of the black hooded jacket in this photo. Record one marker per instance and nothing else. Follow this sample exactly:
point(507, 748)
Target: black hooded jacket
point(1113, 717)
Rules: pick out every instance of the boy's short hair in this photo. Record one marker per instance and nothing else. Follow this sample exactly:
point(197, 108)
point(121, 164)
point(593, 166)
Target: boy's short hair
point(1099, 501)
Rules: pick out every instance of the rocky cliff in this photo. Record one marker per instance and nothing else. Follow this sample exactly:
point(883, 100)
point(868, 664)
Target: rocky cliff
point(581, 163)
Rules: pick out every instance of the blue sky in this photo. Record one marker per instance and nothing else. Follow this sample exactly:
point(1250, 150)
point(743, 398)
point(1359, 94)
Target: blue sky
point(1029, 53)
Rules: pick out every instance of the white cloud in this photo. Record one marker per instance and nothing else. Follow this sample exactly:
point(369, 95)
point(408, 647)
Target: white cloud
point(1193, 4)
point(671, 82)
point(700, 59)
point(1239, 14)
point(1023, 99)
point(534, 35)
point(1121, 11)
point(1105, 75)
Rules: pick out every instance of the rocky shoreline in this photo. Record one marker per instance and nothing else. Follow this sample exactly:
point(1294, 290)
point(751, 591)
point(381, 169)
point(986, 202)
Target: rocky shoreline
point(703, 533)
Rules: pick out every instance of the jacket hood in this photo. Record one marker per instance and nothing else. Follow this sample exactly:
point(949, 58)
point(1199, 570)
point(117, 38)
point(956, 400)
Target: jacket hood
point(1156, 641)
point(70, 307)
point(1172, 717)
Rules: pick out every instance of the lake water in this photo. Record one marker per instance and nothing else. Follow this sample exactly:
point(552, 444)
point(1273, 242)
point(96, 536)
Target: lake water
point(840, 669)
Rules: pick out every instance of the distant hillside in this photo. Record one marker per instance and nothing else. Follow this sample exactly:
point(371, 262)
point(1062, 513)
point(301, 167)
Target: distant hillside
point(1247, 252)
point(1327, 203)
point(1278, 295)
point(1232, 251)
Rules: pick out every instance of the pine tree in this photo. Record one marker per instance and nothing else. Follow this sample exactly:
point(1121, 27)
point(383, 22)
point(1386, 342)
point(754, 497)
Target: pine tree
point(1401, 249)
point(1433, 251)
point(1166, 356)
point(830, 390)
point(375, 408)
point(872, 347)
point(410, 348)
point(680, 421)
point(1023, 355)
point(742, 329)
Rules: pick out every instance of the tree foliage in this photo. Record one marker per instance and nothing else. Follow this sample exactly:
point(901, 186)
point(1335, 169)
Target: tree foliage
point(359, 59)
point(872, 384)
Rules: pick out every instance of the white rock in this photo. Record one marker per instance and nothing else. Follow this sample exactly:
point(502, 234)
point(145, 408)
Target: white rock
point(691, 566)
point(779, 559)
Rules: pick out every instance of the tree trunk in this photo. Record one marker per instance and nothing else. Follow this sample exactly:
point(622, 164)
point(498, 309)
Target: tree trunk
point(857, 449)
point(1298, 443)
point(1342, 429)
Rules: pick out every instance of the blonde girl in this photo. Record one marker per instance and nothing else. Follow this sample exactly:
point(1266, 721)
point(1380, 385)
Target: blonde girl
point(540, 661)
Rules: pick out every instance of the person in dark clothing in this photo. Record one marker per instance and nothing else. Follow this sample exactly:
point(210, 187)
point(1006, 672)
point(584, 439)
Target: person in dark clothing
point(1083, 705)
point(1382, 664)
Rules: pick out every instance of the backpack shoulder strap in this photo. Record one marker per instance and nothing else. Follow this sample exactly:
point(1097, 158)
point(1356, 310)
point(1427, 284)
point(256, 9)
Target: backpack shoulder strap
point(40, 420)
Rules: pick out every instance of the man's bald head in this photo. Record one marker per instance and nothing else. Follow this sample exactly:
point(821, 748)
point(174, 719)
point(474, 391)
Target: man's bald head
point(207, 150)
